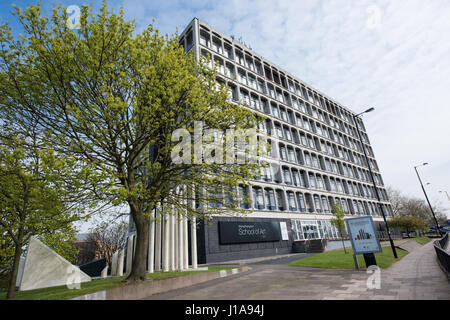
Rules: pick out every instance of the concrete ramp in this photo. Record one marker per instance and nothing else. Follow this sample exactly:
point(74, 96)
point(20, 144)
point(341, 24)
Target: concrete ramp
point(45, 268)
point(409, 245)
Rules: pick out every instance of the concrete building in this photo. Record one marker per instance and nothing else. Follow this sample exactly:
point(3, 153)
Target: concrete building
point(316, 159)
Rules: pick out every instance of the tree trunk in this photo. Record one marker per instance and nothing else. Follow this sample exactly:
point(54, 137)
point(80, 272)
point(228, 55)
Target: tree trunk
point(343, 243)
point(15, 270)
point(139, 266)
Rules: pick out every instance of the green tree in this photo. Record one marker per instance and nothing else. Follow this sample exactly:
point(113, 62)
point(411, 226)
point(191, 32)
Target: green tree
point(36, 199)
point(338, 221)
point(6, 257)
point(112, 97)
point(404, 205)
point(408, 223)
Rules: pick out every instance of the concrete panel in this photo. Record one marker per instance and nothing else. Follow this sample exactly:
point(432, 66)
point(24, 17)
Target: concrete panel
point(20, 272)
point(45, 268)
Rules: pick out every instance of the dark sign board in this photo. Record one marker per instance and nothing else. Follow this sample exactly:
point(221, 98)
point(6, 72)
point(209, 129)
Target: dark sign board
point(248, 232)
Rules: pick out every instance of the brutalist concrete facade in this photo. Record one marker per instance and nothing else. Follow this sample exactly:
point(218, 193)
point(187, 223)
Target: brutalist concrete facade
point(316, 161)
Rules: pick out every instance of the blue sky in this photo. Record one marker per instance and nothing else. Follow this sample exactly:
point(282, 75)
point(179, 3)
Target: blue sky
point(389, 54)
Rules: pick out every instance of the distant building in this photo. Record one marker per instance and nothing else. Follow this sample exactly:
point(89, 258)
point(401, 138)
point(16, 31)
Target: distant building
point(88, 248)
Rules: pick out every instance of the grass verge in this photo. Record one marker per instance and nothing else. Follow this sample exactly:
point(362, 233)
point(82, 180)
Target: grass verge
point(422, 240)
point(62, 292)
point(337, 259)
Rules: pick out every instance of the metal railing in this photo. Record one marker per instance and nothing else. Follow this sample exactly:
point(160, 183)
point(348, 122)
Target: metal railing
point(383, 235)
point(442, 252)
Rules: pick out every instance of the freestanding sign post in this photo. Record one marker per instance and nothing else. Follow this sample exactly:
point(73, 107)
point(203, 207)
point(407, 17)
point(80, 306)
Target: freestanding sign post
point(364, 239)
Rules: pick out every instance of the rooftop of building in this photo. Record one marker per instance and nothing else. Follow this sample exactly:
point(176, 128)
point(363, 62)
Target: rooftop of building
point(263, 59)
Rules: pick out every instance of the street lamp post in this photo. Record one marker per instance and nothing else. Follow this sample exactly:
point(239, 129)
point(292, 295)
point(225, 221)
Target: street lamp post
point(355, 117)
point(426, 197)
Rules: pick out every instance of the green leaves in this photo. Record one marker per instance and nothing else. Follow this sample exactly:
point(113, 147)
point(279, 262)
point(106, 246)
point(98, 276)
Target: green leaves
point(339, 217)
point(407, 223)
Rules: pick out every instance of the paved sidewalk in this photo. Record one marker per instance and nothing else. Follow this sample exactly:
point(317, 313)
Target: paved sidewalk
point(416, 276)
point(244, 262)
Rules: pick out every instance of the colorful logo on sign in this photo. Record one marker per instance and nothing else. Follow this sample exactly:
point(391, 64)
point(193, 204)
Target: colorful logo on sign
point(363, 235)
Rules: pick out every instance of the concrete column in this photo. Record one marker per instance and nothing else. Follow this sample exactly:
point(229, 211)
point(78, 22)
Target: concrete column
point(264, 197)
point(185, 244)
point(120, 263)
point(175, 239)
point(104, 273)
point(114, 263)
point(158, 240)
point(151, 245)
point(180, 242)
point(196, 33)
point(129, 254)
point(165, 260)
point(193, 243)
point(171, 240)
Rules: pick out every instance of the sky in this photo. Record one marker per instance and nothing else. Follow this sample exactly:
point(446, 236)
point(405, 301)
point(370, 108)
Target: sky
point(392, 55)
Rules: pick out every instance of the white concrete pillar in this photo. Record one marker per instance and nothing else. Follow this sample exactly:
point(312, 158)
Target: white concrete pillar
point(151, 245)
point(180, 242)
point(185, 244)
point(104, 273)
point(165, 258)
point(114, 263)
point(158, 241)
point(193, 243)
point(175, 239)
point(171, 240)
point(120, 262)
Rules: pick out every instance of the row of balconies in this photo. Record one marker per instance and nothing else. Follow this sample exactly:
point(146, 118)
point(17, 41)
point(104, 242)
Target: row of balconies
point(273, 199)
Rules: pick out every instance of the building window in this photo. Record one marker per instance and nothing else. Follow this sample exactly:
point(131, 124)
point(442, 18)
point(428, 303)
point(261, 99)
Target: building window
point(270, 199)
point(287, 133)
point(217, 45)
point(204, 39)
point(243, 197)
point(291, 200)
point(287, 176)
point(320, 183)
point(308, 160)
point(283, 153)
point(189, 41)
point(296, 178)
point(317, 204)
point(228, 51)
point(258, 198)
point(325, 206)
point(291, 155)
point(279, 131)
point(312, 181)
point(301, 202)
point(275, 111)
point(267, 172)
point(280, 200)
